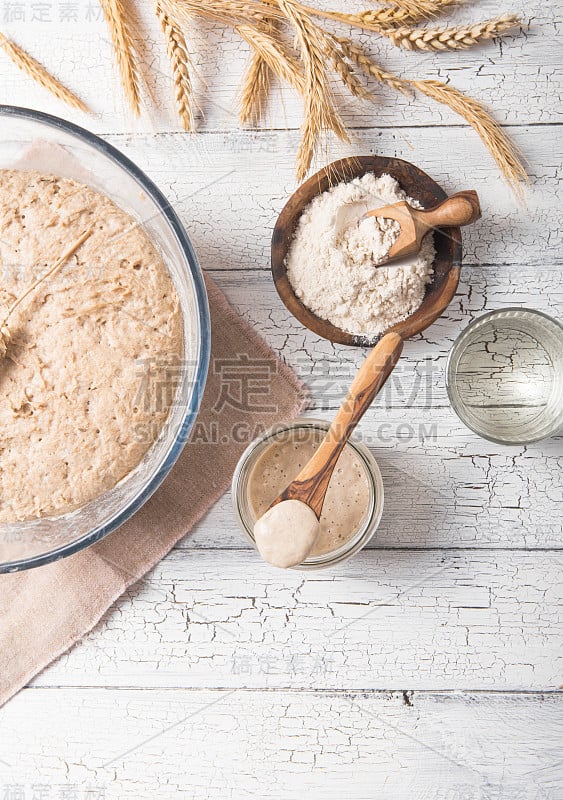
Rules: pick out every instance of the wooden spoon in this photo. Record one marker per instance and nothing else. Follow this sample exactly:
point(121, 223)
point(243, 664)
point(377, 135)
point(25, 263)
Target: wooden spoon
point(311, 484)
point(460, 209)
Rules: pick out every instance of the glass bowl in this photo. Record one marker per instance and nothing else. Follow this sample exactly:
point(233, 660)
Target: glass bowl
point(32, 140)
point(243, 508)
point(504, 376)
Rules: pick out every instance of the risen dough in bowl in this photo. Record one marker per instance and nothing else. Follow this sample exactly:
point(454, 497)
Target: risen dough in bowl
point(96, 351)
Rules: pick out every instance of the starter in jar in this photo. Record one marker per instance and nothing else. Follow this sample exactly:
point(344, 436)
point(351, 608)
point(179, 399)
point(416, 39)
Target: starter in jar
point(347, 499)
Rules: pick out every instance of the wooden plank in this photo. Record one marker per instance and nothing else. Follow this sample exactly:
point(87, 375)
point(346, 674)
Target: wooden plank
point(229, 187)
point(444, 487)
point(283, 745)
point(419, 378)
point(384, 620)
point(78, 50)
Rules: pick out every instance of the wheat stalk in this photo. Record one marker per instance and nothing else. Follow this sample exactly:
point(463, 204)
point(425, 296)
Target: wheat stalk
point(116, 19)
point(398, 20)
point(458, 38)
point(501, 148)
point(180, 61)
point(274, 53)
point(37, 71)
point(320, 111)
point(373, 19)
point(255, 91)
point(228, 12)
point(5, 333)
point(320, 49)
point(338, 58)
point(358, 56)
point(419, 9)
point(256, 84)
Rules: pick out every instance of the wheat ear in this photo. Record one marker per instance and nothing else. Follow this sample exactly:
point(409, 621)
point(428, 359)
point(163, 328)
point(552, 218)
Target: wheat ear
point(358, 56)
point(397, 13)
point(117, 22)
point(320, 112)
point(37, 71)
point(458, 38)
point(180, 61)
point(228, 12)
point(256, 84)
point(419, 9)
point(339, 59)
point(274, 53)
point(373, 19)
point(501, 148)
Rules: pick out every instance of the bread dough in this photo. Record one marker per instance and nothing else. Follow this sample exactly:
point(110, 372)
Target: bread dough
point(95, 353)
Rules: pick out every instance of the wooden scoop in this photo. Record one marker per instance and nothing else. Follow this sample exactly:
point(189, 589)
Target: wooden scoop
point(460, 209)
point(311, 485)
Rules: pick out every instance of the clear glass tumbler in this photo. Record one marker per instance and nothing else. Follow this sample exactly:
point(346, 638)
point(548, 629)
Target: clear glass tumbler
point(504, 376)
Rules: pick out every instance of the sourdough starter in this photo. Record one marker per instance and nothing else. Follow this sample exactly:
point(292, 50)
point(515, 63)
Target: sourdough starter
point(347, 499)
point(77, 413)
point(286, 534)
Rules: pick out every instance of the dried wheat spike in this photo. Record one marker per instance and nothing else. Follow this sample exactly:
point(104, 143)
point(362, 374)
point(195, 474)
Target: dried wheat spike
point(5, 334)
point(37, 71)
point(180, 61)
point(5, 339)
point(420, 9)
point(458, 38)
point(257, 83)
point(501, 148)
point(338, 59)
point(320, 112)
point(255, 91)
point(116, 19)
point(374, 19)
point(358, 56)
point(275, 54)
point(228, 12)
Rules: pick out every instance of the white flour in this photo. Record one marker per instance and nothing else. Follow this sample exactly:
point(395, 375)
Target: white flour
point(331, 263)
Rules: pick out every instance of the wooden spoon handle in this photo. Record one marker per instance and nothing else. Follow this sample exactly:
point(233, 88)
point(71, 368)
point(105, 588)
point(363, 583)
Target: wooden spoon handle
point(312, 482)
point(462, 208)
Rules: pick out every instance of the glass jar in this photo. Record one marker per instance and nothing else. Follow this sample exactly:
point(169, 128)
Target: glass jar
point(504, 376)
point(241, 481)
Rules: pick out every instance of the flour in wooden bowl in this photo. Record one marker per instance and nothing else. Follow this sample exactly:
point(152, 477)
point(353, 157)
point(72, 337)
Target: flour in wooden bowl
point(93, 355)
point(332, 261)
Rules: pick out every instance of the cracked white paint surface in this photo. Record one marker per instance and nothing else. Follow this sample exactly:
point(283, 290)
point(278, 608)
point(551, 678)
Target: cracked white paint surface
point(386, 619)
point(444, 487)
point(284, 745)
point(356, 679)
point(418, 379)
point(250, 175)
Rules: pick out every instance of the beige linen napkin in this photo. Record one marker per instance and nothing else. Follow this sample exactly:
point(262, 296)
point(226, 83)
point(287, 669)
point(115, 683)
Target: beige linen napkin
point(45, 610)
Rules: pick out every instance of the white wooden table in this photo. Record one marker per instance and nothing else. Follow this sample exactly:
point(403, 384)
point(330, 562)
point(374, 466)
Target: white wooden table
point(429, 665)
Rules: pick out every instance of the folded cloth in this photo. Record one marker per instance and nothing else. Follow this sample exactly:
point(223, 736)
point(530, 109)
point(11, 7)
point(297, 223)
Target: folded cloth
point(44, 611)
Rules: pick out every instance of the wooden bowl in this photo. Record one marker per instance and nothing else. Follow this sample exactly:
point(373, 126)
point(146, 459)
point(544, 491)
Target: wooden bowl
point(447, 242)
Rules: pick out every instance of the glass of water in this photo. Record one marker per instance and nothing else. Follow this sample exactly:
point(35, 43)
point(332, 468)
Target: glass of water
point(504, 376)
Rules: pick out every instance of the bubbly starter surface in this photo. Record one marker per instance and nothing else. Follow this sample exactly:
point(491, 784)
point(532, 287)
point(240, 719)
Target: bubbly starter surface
point(88, 347)
point(347, 498)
